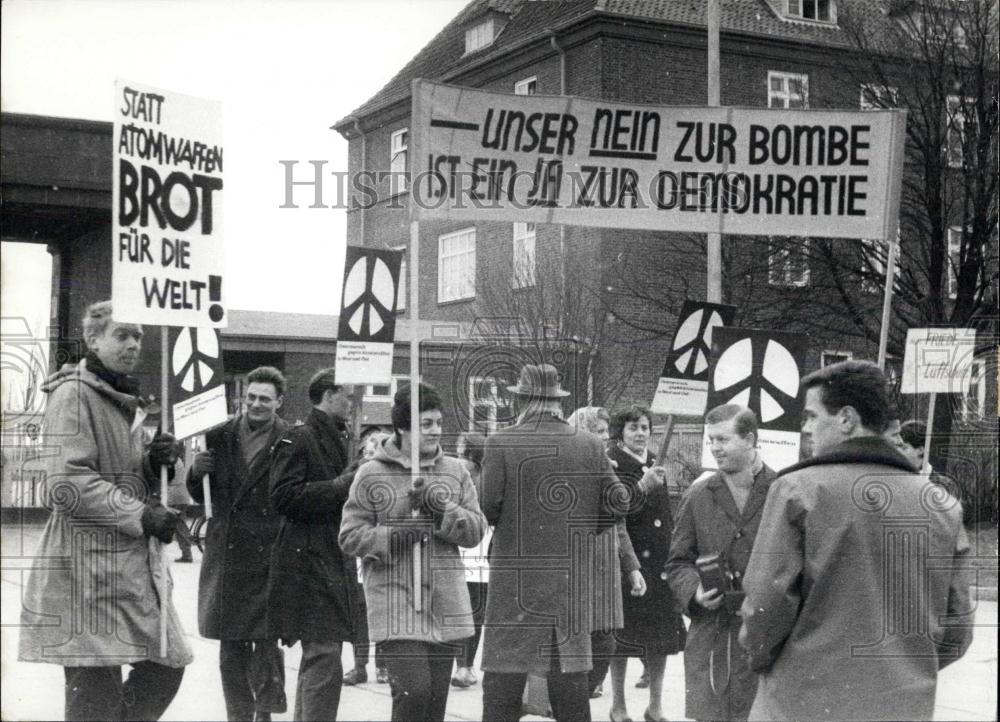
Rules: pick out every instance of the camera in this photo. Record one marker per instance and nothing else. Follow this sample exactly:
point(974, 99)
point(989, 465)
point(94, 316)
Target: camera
point(715, 573)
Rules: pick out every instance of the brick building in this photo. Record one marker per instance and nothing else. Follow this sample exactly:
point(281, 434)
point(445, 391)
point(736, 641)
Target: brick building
point(617, 292)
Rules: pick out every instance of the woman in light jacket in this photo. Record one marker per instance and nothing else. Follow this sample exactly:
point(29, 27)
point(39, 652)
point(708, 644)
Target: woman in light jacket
point(386, 515)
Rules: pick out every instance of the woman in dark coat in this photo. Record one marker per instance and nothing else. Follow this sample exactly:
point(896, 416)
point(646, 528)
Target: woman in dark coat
point(653, 627)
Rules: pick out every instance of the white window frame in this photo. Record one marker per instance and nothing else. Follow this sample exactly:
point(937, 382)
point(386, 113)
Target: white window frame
point(823, 362)
point(524, 258)
point(447, 294)
point(479, 36)
point(404, 280)
point(974, 400)
point(797, 9)
point(954, 251)
point(493, 401)
point(878, 97)
point(781, 276)
point(528, 86)
point(398, 151)
point(785, 96)
point(879, 263)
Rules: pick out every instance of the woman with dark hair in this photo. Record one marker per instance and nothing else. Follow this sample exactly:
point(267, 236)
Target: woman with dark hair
point(417, 613)
point(653, 624)
point(477, 573)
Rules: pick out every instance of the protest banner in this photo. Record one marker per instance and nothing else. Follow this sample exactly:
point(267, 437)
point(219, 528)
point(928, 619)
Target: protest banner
point(937, 361)
point(367, 325)
point(683, 386)
point(197, 391)
point(760, 369)
point(167, 191)
point(559, 159)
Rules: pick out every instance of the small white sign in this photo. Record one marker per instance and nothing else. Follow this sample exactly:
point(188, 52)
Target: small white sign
point(200, 413)
point(680, 397)
point(778, 449)
point(938, 360)
point(363, 362)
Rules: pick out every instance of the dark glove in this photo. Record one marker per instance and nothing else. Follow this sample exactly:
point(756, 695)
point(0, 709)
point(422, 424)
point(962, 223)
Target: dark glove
point(160, 522)
point(416, 494)
point(204, 463)
point(162, 451)
point(429, 499)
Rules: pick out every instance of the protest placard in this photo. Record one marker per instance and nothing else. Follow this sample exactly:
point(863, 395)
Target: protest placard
point(760, 369)
point(683, 386)
point(197, 388)
point(167, 198)
point(367, 325)
point(558, 159)
point(938, 360)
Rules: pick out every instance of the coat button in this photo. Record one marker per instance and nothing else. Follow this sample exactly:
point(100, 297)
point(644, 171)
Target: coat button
point(663, 576)
point(657, 523)
point(739, 534)
point(645, 553)
point(260, 549)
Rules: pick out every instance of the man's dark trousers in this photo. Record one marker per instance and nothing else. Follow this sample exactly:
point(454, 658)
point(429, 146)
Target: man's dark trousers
point(253, 678)
point(98, 693)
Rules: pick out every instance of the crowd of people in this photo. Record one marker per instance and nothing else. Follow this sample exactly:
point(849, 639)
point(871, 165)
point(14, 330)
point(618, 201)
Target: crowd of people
point(555, 542)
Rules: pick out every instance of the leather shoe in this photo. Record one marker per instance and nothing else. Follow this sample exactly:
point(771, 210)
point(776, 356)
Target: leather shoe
point(358, 675)
point(650, 718)
point(643, 682)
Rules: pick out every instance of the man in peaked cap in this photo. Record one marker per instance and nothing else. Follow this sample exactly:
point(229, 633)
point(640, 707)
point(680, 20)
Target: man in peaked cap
point(548, 489)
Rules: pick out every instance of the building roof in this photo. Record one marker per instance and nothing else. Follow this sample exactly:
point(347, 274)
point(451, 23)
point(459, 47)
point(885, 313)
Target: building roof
point(443, 57)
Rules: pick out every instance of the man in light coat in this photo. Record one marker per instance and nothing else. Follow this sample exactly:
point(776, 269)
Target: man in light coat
point(549, 490)
point(232, 588)
point(719, 516)
point(856, 591)
point(92, 600)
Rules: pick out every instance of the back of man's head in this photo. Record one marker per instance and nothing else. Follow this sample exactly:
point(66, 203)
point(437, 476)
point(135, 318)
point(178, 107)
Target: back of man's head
point(858, 384)
point(322, 381)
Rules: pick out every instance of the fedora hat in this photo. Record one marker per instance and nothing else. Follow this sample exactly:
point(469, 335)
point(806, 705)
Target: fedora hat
point(539, 382)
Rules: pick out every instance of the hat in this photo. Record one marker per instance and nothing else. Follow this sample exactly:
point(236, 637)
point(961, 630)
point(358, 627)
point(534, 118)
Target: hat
point(539, 382)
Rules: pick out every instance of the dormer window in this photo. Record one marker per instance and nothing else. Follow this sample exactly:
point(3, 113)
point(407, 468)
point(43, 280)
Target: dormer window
point(479, 36)
point(820, 11)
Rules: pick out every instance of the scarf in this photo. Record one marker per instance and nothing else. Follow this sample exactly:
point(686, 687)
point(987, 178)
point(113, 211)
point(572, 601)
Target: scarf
point(253, 441)
point(123, 383)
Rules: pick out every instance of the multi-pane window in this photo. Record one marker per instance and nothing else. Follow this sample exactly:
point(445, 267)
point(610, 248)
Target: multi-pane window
point(828, 358)
point(788, 262)
point(787, 90)
point(457, 265)
point(384, 392)
point(528, 86)
point(402, 288)
point(490, 406)
point(524, 255)
point(398, 144)
point(819, 10)
point(954, 259)
point(479, 36)
point(878, 97)
point(874, 257)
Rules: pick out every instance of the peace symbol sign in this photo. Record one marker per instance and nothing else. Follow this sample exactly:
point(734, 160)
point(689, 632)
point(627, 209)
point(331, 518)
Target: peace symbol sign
point(194, 357)
point(691, 348)
point(369, 298)
point(762, 374)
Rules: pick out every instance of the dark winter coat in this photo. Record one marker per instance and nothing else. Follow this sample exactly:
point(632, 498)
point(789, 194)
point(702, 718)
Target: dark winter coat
point(854, 589)
point(378, 510)
point(240, 536)
point(308, 591)
point(708, 522)
point(549, 490)
point(653, 622)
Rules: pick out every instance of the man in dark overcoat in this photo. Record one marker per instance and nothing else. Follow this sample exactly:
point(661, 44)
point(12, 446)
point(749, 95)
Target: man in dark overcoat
point(548, 489)
point(232, 590)
point(857, 590)
point(719, 516)
point(308, 597)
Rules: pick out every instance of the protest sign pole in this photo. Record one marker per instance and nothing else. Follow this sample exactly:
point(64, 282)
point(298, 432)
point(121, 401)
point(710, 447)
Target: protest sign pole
point(415, 405)
point(665, 444)
point(890, 274)
point(714, 239)
point(164, 427)
point(925, 467)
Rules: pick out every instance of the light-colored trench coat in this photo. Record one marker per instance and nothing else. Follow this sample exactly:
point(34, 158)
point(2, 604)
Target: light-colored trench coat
point(91, 598)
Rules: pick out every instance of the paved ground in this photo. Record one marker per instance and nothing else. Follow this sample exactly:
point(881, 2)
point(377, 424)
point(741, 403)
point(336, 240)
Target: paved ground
point(967, 690)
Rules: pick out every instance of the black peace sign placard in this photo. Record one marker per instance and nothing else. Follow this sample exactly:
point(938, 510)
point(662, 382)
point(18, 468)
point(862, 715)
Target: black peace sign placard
point(691, 348)
point(195, 361)
point(760, 369)
point(368, 301)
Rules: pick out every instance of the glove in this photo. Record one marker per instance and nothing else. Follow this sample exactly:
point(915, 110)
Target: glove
point(429, 499)
point(204, 463)
point(160, 522)
point(416, 495)
point(653, 478)
point(162, 451)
